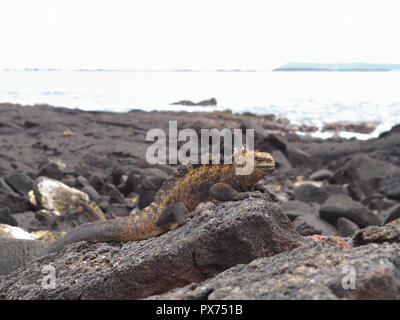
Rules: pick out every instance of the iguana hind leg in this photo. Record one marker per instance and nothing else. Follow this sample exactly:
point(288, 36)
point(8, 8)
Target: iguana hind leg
point(176, 214)
point(223, 192)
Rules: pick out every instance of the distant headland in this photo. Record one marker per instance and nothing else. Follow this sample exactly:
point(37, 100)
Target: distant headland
point(303, 66)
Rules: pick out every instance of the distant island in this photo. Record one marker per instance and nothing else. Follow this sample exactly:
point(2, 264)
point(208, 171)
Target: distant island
point(300, 66)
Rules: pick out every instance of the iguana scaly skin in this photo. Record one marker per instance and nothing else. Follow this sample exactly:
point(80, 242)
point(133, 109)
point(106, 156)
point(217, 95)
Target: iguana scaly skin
point(175, 202)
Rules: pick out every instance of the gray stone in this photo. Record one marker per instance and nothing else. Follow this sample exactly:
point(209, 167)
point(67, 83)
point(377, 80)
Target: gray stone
point(144, 182)
point(390, 186)
point(7, 218)
point(338, 205)
point(346, 227)
point(20, 182)
point(294, 209)
point(309, 225)
point(321, 175)
point(282, 163)
point(309, 193)
point(51, 170)
point(363, 167)
point(335, 189)
point(392, 214)
point(28, 221)
point(118, 210)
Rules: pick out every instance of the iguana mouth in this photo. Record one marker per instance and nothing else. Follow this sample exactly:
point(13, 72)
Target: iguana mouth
point(267, 168)
point(266, 165)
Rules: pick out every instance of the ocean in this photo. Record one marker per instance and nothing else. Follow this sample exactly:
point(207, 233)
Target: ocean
point(311, 98)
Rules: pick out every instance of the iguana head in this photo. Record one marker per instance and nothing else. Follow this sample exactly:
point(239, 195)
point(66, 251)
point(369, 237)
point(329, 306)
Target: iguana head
point(263, 161)
point(263, 164)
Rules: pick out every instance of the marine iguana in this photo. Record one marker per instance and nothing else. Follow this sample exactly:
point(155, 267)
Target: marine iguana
point(176, 200)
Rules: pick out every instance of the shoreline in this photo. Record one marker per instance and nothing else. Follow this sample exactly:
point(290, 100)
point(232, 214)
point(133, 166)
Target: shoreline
point(347, 130)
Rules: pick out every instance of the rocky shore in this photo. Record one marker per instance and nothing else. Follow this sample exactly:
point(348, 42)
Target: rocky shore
point(338, 207)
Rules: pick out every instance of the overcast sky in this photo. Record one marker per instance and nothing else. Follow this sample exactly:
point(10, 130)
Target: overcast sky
point(201, 34)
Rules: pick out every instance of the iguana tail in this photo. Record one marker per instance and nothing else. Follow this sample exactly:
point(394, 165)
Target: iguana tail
point(136, 227)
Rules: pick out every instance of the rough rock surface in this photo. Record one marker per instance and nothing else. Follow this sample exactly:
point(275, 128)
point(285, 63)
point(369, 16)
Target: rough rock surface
point(15, 253)
point(346, 227)
point(309, 225)
point(310, 193)
point(363, 167)
point(392, 214)
point(314, 271)
point(321, 175)
point(390, 186)
point(338, 205)
point(378, 234)
point(294, 209)
point(218, 237)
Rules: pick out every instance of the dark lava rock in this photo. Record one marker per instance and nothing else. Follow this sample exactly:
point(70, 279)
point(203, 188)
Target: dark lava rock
point(217, 238)
point(9, 197)
point(346, 227)
point(378, 234)
point(274, 141)
point(309, 225)
point(338, 205)
point(7, 218)
point(28, 221)
point(114, 194)
point(15, 253)
point(334, 189)
point(381, 204)
point(314, 271)
point(309, 193)
point(51, 170)
point(20, 182)
point(282, 163)
point(294, 209)
point(362, 167)
point(360, 190)
point(390, 186)
point(70, 181)
point(321, 175)
point(49, 221)
point(93, 164)
point(91, 192)
point(118, 210)
point(145, 182)
point(209, 102)
point(360, 126)
point(116, 175)
point(15, 202)
point(298, 157)
point(96, 182)
point(392, 214)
